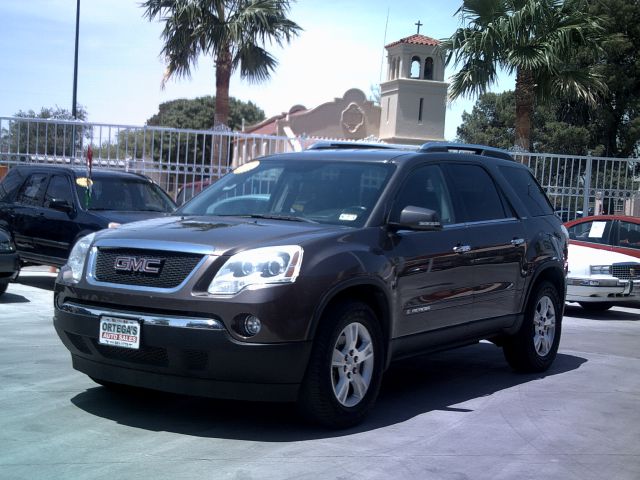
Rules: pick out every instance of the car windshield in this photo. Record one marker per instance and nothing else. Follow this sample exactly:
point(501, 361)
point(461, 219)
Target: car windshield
point(123, 194)
point(339, 193)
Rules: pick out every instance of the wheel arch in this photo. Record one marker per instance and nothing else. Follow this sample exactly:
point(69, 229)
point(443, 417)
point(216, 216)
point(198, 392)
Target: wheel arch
point(371, 292)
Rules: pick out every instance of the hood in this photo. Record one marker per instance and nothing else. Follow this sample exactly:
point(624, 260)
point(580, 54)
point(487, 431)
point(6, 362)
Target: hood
point(127, 216)
point(582, 258)
point(222, 235)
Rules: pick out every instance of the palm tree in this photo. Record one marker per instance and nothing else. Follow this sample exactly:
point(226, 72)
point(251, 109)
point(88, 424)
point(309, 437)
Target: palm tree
point(537, 40)
point(233, 32)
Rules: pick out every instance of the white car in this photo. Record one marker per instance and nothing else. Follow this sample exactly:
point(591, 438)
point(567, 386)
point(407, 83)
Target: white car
point(599, 279)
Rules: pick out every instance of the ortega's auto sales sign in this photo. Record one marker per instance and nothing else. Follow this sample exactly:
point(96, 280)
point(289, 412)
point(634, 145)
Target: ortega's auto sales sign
point(119, 332)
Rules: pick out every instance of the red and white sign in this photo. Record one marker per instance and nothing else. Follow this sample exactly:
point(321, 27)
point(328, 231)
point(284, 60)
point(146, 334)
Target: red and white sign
point(119, 332)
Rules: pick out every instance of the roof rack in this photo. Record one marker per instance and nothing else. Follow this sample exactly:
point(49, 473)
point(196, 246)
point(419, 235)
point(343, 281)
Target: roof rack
point(338, 145)
point(465, 147)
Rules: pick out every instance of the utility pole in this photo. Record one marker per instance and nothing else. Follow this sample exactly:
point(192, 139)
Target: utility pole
point(74, 109)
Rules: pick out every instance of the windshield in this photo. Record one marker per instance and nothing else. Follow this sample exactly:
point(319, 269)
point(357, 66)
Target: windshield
point(124, 194)
point(339, 193)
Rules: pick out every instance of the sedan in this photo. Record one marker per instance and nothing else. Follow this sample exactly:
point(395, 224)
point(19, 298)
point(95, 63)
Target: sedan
point(604, 261)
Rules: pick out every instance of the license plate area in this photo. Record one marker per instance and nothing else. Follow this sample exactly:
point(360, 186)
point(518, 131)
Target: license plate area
point(119, 332)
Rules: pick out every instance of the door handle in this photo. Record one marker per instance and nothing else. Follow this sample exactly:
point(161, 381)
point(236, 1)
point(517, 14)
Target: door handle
point(517, 241)
point(461, 248)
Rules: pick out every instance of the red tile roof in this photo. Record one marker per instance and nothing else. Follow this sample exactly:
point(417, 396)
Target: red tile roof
point(417, 39)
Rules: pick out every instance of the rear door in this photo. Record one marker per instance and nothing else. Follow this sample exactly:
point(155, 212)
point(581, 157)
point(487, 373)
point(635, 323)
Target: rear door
point(497, 243)
point(29, 213)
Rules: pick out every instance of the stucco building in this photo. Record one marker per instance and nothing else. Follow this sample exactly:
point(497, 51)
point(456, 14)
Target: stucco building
point(412, 105)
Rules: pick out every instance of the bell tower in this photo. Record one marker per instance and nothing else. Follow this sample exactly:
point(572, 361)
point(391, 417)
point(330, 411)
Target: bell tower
point(414, 96)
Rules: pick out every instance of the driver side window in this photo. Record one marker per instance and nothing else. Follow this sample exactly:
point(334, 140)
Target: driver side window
point(425, 187)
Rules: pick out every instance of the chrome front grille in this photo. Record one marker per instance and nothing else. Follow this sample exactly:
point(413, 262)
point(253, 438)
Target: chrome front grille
point(175, 267)
point(626, 271)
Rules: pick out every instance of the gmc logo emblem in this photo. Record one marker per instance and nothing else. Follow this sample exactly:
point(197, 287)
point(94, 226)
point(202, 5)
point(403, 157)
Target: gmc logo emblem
point(137, 264)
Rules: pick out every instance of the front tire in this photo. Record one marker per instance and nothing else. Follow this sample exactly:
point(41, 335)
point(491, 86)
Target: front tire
point(3, 287)
point(534, 347)
point(345, 369)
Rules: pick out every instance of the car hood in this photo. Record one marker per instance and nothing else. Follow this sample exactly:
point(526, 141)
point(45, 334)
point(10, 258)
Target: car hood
point(581, 258)
point(127, 216)
point(219, 235)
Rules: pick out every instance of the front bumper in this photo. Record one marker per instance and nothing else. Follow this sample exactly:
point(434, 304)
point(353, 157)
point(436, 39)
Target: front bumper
point(9, 266)
point(186, 355)
point(599, 289)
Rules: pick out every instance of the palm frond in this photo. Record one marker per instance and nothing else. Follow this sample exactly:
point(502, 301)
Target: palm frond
point(255, 63)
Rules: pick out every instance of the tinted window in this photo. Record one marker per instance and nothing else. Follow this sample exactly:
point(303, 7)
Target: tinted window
point(426, 188)
point(476, 192)
point(592, 232)
point(530, 191)
point(10, 184)
point(32, 190)
point(123, 194)
point(629, 235)
point(59, 189)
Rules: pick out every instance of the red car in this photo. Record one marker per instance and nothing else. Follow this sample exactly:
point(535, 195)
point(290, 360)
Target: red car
point(614, 233)
point(604, 262)
point(190, 190)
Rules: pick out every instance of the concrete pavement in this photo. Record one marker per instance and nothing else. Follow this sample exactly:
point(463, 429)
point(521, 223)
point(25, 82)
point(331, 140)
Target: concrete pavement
point(456, 415)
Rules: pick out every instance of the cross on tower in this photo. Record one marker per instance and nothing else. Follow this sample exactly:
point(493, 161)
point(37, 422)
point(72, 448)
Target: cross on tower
point(418, 24)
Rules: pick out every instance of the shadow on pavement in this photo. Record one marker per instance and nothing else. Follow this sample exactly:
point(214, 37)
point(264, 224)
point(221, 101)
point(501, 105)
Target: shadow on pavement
point(579, 312)
point(410, 388)
point(9, 297)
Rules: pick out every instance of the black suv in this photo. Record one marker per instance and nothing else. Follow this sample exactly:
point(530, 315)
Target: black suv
point(48, 208)
point(302, 276)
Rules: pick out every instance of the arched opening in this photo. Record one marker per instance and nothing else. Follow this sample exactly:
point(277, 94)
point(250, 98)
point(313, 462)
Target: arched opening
point(415, 67)
point(428, 69)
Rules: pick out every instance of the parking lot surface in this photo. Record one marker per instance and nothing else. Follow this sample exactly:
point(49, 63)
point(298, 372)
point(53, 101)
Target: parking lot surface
point(461, 414)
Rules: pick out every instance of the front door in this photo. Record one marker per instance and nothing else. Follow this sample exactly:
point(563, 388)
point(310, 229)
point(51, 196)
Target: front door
point(434, 285)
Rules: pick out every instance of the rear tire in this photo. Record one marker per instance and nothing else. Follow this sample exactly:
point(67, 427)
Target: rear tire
point(596, 306)
point(345, 368)
point(534, 347)
point(3, 287)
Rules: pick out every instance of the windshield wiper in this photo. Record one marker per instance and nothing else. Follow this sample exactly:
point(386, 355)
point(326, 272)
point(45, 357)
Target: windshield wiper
point(288, 218)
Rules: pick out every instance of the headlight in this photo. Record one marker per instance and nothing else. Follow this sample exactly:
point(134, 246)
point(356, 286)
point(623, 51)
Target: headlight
point(75, 264)
point(7, 246)
point(257, 267)
point(600, 269)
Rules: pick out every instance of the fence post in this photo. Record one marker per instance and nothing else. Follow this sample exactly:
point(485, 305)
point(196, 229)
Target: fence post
point(587, 187)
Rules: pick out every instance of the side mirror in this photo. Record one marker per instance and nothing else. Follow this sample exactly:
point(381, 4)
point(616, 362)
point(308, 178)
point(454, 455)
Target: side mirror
point(60, 204)
point(416, 218)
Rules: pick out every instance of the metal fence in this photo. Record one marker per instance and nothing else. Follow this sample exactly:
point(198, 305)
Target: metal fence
point(585, 185)
point(175, 158)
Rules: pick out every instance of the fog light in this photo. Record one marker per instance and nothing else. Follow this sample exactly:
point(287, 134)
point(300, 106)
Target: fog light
point(252, 325)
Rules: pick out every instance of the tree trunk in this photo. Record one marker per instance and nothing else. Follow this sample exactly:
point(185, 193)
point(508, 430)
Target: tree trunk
point(525, 96)
point(223, 78)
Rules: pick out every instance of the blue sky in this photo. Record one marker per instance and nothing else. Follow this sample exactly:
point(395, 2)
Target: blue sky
point(120, 70)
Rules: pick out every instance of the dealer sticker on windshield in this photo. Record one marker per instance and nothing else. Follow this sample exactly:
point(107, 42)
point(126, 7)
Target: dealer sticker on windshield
point(119, 332)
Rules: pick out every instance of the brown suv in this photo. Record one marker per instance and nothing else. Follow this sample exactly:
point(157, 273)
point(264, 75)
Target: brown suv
point(300, 277)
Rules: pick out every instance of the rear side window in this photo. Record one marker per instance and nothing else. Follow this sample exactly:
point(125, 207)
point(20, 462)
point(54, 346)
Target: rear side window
point(530, 191)
point(476, 192)
point(10, 184)
point(32, 191)
point(597, 231)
